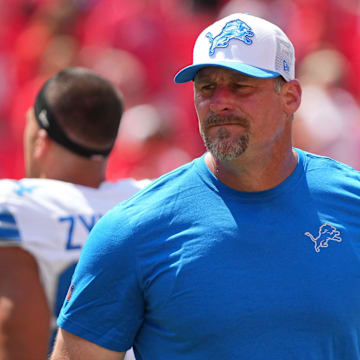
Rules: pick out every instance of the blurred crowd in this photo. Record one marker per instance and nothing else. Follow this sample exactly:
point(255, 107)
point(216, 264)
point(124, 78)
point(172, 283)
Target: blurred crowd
point(140, 45)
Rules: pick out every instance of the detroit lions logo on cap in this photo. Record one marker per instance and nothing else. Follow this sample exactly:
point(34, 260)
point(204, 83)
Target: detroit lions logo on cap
point(235, 29)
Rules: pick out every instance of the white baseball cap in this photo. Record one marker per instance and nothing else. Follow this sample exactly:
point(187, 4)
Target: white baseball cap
point(244, 43)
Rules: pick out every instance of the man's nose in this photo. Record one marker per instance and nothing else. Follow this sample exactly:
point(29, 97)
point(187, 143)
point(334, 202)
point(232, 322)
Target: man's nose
point(222, 101)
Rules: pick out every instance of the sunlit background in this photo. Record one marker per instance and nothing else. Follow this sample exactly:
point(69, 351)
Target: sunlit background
point(140, 45)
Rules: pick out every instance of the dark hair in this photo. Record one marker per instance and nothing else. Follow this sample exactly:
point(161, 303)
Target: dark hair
point(85, 107)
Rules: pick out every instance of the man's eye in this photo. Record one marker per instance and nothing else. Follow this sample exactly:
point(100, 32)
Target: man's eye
point(241, 86)
point(207, 86)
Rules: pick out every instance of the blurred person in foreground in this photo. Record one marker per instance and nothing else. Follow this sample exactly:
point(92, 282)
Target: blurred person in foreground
point(249, 252)
point(46, 218)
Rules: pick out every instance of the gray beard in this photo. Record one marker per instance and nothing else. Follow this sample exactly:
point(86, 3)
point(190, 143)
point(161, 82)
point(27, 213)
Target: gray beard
point(224, 147)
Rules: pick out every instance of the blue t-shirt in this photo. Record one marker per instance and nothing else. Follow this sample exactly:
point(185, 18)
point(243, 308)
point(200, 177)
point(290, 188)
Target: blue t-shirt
point(189, 268)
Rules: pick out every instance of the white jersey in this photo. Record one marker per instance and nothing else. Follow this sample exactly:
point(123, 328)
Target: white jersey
point(52, 219)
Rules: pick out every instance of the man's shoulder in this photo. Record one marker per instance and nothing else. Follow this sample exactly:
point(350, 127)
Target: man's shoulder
point(319, 162)
point(42, 193)
point(35, 210)
point(22, 210)
point(18, 191)
point(28, 186)
point(42, 207)
point(34, 194)
point(328, 172)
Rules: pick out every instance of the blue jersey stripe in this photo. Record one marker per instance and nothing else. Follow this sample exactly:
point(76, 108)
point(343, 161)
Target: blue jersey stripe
point(8, 227)
point(7, 218)
point(9, 234)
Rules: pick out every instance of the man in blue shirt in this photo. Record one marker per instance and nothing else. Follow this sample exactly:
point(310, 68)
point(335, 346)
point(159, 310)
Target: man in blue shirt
point(251, 251)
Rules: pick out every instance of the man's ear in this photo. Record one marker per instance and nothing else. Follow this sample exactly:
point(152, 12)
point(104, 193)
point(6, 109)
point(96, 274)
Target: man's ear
point(42, 144)
point(291, 96)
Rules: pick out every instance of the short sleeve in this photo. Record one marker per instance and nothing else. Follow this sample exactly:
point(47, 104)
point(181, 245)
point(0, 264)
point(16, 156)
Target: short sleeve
point(105, 303)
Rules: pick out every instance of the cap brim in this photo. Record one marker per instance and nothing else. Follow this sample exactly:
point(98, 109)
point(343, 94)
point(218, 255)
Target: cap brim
point(188, 73)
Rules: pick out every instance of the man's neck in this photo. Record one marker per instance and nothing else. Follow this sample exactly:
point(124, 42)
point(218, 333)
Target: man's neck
point(91, 176)
point(253, 174)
